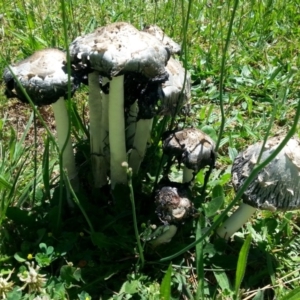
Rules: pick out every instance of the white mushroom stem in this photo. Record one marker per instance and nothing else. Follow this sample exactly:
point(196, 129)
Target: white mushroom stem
point(63, 138)
point(235, 221)
point(142, 134)
point(166, 237)
point(96, 138)
point(117, 131)
point(187, 175)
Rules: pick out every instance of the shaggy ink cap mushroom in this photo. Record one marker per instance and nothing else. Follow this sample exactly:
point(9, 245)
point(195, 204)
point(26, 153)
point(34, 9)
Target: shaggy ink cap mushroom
point(192, 147)
point(43, 76)
point(276, 187)
point(172, 203)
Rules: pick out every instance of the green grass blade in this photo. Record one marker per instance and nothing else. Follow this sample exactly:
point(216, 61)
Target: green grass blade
point(4, 183)
point(199, 260)
point(242, 264)
point(165, 287)
point(45, 164)
point(293, 295)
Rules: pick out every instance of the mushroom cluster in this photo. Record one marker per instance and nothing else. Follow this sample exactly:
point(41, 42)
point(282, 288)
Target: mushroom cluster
point(113, 51)
point(127, 71)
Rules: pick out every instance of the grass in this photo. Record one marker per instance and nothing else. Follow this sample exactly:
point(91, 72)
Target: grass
point(245, 83)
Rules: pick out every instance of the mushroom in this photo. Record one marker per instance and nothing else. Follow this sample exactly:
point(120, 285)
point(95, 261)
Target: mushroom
point(177, 90)
point(192, 147)
point(44, 78)
point(172, 203)
point(113, 51)
point(173, 208)
point(276, 187)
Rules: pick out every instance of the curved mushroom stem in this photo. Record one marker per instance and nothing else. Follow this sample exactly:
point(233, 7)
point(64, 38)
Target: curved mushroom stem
point(142, 134)
point(117, 131)
point(96, 140)
point(62, 128)
point(235, 221)
point(166, 237)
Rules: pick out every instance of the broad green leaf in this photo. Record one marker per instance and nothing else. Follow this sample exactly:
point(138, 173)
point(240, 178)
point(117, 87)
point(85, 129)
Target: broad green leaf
point(242, 264)
point(165, 287)
point(130, 287)
point(217, 201)
point(43, 259)
point(222, 280)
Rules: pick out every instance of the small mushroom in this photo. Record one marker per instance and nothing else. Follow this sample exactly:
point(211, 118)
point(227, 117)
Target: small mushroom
point(113, 51)
point(173, 208)
point(44, 78)
point(192, 147)
point(173, 205)
point(276, 187)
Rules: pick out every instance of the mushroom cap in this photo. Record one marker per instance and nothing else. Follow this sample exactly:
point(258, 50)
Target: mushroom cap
point(277, 186)
point(175, 94)
point(161, 36)
point(43, 76)
point(173, 204)
point(118, 48)
point(191, 146)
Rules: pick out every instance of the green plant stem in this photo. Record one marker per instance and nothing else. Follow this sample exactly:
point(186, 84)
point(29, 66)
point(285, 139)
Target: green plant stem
point(76, 200)
point(136, 231)
point(222, 125)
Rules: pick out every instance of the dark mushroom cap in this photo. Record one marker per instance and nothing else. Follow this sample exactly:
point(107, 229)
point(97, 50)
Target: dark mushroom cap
point(277, 186)
point(43, 76)
point(118, 48)
point(173, 204)
point(176, 90)
point(191, 146)
point(161, 36)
